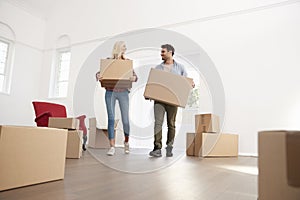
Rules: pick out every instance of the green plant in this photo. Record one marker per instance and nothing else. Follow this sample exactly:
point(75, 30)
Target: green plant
point(193, 99)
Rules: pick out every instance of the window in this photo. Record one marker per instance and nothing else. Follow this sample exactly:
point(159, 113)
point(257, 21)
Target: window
point(5, 55)
point(62, 73)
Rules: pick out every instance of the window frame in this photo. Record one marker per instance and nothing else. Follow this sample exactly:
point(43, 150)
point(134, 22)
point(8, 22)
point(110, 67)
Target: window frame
point(57, 69)
point(6, 88)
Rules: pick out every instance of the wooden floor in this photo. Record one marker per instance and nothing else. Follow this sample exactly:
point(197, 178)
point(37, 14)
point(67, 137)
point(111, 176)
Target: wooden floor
point(97, 176)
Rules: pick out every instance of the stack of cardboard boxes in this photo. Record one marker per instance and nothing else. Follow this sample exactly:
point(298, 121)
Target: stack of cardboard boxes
point(208, 141)
point(31, 155)
point(74, 141)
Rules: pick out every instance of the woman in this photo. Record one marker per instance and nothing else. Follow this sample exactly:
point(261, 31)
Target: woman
point(120, 94)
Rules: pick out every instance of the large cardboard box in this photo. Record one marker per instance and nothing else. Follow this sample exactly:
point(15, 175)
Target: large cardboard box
point(74, 144)
point(279, 165)
point(213, 144)
point(63, 122)
point(207, 123)
point(116, 73)
point(219, 145)
point(168, 87)
point(31, 155)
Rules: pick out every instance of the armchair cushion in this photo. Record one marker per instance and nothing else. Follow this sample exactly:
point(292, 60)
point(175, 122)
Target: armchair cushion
point(42, 119)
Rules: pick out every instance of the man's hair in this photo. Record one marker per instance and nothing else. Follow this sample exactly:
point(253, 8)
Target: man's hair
point(168, 47)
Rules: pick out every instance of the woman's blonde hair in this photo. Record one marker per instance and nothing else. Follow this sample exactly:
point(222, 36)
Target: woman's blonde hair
point(117, 51)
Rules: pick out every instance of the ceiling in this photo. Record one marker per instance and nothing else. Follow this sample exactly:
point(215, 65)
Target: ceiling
point(38, 8)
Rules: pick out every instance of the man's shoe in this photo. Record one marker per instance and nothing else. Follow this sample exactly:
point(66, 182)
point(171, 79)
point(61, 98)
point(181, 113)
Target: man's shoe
point(169, 151)
point(126, 147)
point(111, 151)
point(83, 147)
point(155, 153)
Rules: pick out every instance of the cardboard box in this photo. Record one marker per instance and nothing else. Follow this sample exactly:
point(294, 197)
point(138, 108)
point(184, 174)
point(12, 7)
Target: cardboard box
point(74, 144)
point(31, 155)
point(92, 123)
point(116, 84)
point(220, 145)
point(168, 88)
point(190, 144)
point(116, 73)
point(63, 122)
point(98, 138)
point(279, 165)
point(214, 145)
point(198, 144)
point(207, 123)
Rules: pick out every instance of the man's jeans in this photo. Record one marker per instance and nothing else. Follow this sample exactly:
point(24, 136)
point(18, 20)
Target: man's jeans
point(159, 112)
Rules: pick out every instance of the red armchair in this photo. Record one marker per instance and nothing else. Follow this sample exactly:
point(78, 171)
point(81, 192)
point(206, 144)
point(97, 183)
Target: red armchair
point(44, 110)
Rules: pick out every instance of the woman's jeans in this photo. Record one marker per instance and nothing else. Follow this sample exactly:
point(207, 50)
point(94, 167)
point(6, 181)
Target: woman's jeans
point(110, 100)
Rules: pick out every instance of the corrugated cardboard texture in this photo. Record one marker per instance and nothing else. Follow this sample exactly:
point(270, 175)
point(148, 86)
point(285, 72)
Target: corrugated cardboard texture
point(272, 167)
point(74, 144)
point(168, 88)
point(31, 155)
point(116, 69)
point(62, 122)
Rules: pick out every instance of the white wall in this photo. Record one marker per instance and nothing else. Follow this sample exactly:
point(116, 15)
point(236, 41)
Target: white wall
point(254, 49)
point(16, 108)
point(257, 56)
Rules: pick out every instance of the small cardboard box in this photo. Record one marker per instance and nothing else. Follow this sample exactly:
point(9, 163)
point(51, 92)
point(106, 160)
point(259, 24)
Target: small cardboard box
point(92, 123)
point(278, 165)
point(63, 122)
point(168, 88)
point(213, 144)
point(74, 144)
point(207, 123)
point(31, 155)
point(116, 73)
point(98, 138)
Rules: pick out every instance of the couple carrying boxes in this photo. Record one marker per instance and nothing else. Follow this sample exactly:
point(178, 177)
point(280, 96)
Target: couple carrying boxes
point(167, 86)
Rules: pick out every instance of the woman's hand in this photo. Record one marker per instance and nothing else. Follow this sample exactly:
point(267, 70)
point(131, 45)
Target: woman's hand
point(132, 78)
point(98, 76)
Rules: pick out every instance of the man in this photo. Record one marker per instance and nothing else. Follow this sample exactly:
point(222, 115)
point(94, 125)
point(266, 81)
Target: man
point(169, 65)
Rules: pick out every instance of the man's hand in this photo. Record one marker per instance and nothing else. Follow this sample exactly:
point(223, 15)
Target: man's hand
point(193, 84)
point(132, 78)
